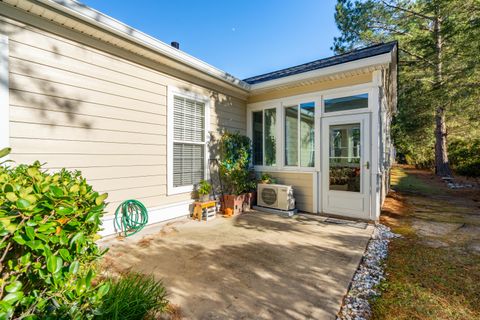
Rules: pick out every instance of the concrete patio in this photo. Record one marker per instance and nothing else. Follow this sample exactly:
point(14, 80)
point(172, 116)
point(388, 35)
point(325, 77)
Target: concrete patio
point(253, 266)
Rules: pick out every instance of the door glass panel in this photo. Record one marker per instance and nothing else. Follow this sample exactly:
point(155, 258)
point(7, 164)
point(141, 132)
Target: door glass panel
point(344, 157)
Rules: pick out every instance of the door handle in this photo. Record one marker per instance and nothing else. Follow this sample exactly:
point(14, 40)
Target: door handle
point(367, 165)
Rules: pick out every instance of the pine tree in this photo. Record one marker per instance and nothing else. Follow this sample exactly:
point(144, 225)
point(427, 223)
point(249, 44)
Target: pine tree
point(439, 45)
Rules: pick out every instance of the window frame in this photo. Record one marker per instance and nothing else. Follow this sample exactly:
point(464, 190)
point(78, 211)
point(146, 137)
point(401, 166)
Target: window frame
point(192, 95)
point(299, 129)
point(250, 130)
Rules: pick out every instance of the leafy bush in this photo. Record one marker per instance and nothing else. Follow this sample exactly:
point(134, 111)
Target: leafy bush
point(133, 296)
point(235, 156)
point(48, 227)
point(465, 157)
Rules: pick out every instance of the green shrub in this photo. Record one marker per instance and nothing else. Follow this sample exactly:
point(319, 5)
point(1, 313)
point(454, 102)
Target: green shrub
point(133, 296)
point(464, 157)
point(48, 227)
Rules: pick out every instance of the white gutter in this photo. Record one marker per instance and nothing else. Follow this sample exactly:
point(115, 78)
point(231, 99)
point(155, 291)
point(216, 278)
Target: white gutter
point(102, 21)
point(383, 59)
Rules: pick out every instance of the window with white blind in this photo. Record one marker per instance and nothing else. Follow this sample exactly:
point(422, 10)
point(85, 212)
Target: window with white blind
point(187, 141)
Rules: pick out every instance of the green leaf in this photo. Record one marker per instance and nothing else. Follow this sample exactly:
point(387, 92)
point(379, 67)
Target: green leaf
point(103, 290)
point(54, 264)
point(35, 244)
point(64, 210)
point(74, 266)
point(74, 189)
point(30, 233)
point(19, 239)
point(92, 217)
point(14, 286)
point(65, 254)
point(30, 198)
point(13, 297)
point(88, 278)
point(4, 152)
point(57, 192)
point(12, 227)
point(99, 200)
point(76, 237)
point(12, 197)
point(23, 204)
point(25, 258)
point(32, 171)
point(8, 188)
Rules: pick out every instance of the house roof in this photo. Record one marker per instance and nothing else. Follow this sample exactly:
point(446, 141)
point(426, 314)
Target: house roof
point(75, 15)
point(362, 53)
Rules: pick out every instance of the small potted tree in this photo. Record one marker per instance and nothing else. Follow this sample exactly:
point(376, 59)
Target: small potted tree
point(235, 156)
point(203, 189)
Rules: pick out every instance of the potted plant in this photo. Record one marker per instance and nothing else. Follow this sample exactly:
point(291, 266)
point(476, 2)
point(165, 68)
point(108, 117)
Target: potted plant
point(203, 189)
point(235, 155)
point(267, 178)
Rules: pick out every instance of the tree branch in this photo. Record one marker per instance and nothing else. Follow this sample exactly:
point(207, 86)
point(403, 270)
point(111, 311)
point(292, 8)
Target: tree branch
point(418, 14)
point(418, 57)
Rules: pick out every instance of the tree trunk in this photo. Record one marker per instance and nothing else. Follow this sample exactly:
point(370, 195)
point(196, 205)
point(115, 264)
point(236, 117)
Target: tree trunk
point(442, 167)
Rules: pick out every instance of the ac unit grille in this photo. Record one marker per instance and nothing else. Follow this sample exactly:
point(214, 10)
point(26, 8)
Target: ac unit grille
point(269, 196)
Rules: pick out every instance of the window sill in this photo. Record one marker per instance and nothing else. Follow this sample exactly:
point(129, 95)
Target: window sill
point(179, 190)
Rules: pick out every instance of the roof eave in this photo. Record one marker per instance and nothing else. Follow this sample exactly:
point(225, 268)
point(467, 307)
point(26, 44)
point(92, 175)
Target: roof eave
point(119, 29)
point(370, 62)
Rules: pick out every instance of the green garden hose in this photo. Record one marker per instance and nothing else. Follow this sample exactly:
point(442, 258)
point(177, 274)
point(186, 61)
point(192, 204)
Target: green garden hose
point(130, 217)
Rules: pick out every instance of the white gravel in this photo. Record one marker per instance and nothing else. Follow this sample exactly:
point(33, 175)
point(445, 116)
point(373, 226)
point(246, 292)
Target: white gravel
point(368, 276)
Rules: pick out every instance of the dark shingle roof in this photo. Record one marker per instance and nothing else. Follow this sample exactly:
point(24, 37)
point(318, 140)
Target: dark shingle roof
point(366, 52)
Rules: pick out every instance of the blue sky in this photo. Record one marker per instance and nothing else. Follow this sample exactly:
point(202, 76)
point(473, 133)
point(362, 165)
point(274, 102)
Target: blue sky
point(242, 37)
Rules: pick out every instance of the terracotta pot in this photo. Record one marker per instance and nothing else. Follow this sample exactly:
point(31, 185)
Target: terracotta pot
point(234, 202)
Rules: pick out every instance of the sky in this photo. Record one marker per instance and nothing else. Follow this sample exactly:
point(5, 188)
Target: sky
point(242, 37)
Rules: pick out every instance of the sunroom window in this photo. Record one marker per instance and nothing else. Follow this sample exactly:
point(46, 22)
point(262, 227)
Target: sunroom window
point(358, 101)
point(300, 135)
point(264, 137)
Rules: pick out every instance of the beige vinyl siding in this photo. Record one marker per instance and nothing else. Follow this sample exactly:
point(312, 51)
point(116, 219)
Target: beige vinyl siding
point(78, 107)
point(302, 184)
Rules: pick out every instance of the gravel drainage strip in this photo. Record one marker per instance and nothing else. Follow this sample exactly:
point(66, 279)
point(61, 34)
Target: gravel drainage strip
point(367, 277)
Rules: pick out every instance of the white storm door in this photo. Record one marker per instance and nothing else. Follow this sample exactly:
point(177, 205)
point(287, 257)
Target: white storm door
point(346, 165)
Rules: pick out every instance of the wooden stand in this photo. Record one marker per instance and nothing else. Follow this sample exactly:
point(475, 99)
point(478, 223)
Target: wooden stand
point(208, 207)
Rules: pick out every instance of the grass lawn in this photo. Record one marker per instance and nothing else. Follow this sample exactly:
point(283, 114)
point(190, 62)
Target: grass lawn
point(433, 272)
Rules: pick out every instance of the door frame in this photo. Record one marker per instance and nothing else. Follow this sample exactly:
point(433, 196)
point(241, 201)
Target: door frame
point(365, 155)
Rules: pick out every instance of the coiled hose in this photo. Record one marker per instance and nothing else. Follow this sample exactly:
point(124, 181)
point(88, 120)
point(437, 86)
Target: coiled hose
point(130, 217)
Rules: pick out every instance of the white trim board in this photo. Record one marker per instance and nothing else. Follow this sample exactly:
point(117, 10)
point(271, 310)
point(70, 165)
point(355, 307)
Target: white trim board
point(4, 94)
point(155, 215)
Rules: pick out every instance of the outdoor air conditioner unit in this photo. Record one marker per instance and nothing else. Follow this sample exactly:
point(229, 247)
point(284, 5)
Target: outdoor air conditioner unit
point(275, 196)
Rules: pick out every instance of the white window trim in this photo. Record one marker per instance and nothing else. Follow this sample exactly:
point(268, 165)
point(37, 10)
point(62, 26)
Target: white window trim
point(4, 95)
point(171, 92)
